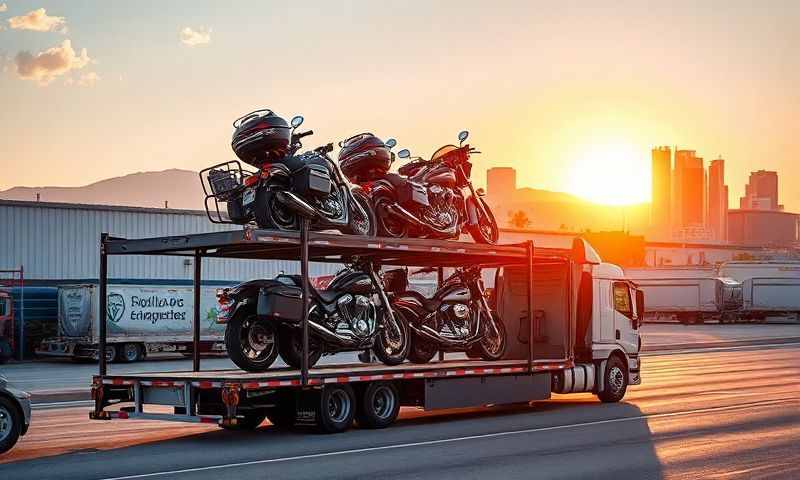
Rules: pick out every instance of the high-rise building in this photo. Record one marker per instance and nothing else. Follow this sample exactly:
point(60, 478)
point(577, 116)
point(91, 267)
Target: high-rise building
point(688, 191)
point(660, 205)
point(761, 192)
point(717, 200)
point(501, 182)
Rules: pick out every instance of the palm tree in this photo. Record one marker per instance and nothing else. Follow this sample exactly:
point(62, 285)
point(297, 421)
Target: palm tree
point(519, 220)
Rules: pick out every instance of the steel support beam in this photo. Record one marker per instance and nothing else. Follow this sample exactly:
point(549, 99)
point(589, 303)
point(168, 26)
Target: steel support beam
point(304, 227)
point(198, 264)
point(103, 320)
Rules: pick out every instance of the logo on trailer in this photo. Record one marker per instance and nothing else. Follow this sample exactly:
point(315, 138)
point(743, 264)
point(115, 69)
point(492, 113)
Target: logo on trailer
point(115, 307)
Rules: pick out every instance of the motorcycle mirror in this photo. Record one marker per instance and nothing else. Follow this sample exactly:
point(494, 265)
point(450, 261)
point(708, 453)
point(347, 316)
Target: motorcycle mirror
point(297, 121)
point(462, 136)
point(391, 143)
point(404, 153)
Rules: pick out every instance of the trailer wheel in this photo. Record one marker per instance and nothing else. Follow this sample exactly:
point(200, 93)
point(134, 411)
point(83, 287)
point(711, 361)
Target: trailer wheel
point(615, 380)
point(10, 424)
point(248, 421)
point(130, 352)
point(111, 354)
point(379, 405)
point(336, 408)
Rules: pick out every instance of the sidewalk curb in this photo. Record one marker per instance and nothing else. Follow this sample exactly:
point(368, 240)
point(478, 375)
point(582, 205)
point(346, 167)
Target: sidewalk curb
point(726, 343)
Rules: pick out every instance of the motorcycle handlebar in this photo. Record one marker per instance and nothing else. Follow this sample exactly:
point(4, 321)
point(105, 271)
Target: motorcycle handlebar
point(300, 135)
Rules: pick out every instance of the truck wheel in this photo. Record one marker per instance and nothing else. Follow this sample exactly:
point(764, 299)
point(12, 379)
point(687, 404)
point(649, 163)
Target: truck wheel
point(615, 381)
point(379, 405)
point(421, 351)
point(248, 421)
point(252, 343)
point(10, 424)
point(336, 408)
point(130, 352)
point(111, 354)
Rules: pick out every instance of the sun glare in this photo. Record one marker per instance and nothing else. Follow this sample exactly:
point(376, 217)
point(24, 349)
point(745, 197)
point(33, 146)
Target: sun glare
point(610, 173)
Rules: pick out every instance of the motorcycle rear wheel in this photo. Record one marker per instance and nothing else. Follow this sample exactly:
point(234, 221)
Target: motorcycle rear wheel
point(388, 225)
point(252, 344)
point(271, 214)
point(421, 351)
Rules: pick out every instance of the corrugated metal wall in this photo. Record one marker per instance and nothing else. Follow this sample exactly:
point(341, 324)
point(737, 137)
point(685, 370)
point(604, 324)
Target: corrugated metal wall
point(60, 242)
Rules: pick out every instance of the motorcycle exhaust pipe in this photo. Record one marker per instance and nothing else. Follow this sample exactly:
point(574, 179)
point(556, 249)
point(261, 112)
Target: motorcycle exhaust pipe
point(411, 218)
point(297, 204)
point(332, 337)
point(431, 335)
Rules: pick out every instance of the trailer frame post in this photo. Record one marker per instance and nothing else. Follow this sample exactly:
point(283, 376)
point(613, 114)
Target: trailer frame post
point(198, 264)
point(103, 303)
point(21, 314)
point(439, 283)
point(304, 227)
point(531, 315)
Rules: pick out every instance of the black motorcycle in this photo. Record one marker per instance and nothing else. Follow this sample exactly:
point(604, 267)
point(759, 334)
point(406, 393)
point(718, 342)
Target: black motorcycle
point(353, 313)
point(286, 186)
point(457, 318)
point(432, 198)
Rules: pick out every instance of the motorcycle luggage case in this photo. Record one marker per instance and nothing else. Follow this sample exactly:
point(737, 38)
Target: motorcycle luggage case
point(412, 192)
point(284, 303)
point(312, 180)
point(364, 157)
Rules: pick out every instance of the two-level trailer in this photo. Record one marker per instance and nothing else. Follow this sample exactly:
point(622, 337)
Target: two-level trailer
point(572, 325)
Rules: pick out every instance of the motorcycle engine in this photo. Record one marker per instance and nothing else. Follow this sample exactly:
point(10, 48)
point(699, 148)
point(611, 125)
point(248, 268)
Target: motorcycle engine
point(458, 321)
point(440, 212)
point(357, 315)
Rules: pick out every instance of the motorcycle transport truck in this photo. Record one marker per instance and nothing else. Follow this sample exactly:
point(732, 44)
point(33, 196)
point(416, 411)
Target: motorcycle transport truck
point(571, 321)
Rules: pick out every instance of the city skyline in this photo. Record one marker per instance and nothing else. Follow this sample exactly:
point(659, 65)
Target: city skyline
point(172, 77)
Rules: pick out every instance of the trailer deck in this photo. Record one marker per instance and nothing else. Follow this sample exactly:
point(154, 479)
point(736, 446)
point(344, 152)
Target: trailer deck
point(231, 397)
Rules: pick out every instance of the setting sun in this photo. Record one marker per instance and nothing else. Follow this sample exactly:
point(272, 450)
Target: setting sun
point(613, 173)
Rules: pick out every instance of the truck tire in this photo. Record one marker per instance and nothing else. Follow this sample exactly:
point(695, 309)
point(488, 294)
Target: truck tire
point(130, 352)
point(246, 332)
point(10, 424)
point(615, 381)
point(379, 406)
point(248, 421)
point(336, 408)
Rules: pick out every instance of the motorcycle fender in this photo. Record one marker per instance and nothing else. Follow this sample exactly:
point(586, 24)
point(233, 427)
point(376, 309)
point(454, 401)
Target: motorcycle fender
point(411, 308)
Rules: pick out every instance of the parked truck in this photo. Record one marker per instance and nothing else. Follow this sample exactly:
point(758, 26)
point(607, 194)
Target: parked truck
point(687, 294)
point(6, 326)
point(770, 289)
point(141, 320)
point(572, 325)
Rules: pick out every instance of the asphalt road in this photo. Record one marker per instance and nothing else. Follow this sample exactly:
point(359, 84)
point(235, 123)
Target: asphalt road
point(713, 415)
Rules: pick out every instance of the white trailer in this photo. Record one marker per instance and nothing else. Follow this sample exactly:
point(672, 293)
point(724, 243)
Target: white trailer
point(687, 294)
point(141, 320)
point(771, 289)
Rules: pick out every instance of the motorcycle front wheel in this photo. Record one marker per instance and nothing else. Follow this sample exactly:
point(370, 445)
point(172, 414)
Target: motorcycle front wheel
point(361, 223)
point(493, 344)
point(486, 231)
point(252, 344)
point(393, 341)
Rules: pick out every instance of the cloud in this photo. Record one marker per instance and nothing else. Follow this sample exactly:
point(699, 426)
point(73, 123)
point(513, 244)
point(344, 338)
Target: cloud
point(39, 21)
point(45, 66)
point(3, 7)
point(88, 79)
point(190, 37)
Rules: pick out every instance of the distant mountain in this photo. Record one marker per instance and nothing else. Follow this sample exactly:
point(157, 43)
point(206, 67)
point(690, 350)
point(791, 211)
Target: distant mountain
point(180, 188)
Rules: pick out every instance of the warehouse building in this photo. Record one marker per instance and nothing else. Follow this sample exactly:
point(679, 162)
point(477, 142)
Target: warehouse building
point(54, 244)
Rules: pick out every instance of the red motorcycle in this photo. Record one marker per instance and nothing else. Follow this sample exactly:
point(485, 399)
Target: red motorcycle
point(427, 198)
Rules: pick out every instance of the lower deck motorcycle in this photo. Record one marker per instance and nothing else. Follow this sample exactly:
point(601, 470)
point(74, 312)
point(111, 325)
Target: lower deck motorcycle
point(457, 318)
point(264, 319)
point(286, 186)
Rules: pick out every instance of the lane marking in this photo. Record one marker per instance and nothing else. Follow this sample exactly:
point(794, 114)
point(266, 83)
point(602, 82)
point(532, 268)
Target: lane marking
point(716, 349)
point(457, 439)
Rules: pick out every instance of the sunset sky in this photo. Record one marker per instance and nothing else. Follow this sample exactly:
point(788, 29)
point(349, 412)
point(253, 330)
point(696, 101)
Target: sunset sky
point(572, 94)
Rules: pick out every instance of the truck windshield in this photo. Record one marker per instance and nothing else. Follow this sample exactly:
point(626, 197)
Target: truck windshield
point(622, 299)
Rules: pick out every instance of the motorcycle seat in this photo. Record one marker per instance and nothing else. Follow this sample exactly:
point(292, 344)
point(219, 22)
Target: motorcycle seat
point(428, 304)
point(325, 296)
point(395, 180)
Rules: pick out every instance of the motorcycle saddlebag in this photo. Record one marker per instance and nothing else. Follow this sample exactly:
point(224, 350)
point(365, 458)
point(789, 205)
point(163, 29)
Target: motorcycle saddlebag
point(281, 302)
point(312, 180)
point(412, 192)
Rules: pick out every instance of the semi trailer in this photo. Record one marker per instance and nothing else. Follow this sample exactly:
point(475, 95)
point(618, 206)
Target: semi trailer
point(572, 326)
point(141, 319)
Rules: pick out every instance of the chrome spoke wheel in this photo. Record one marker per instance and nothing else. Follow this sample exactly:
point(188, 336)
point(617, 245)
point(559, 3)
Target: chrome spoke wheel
point(6, 423)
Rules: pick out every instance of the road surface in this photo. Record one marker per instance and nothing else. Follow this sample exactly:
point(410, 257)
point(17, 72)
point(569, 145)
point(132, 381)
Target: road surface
point(713, 415)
